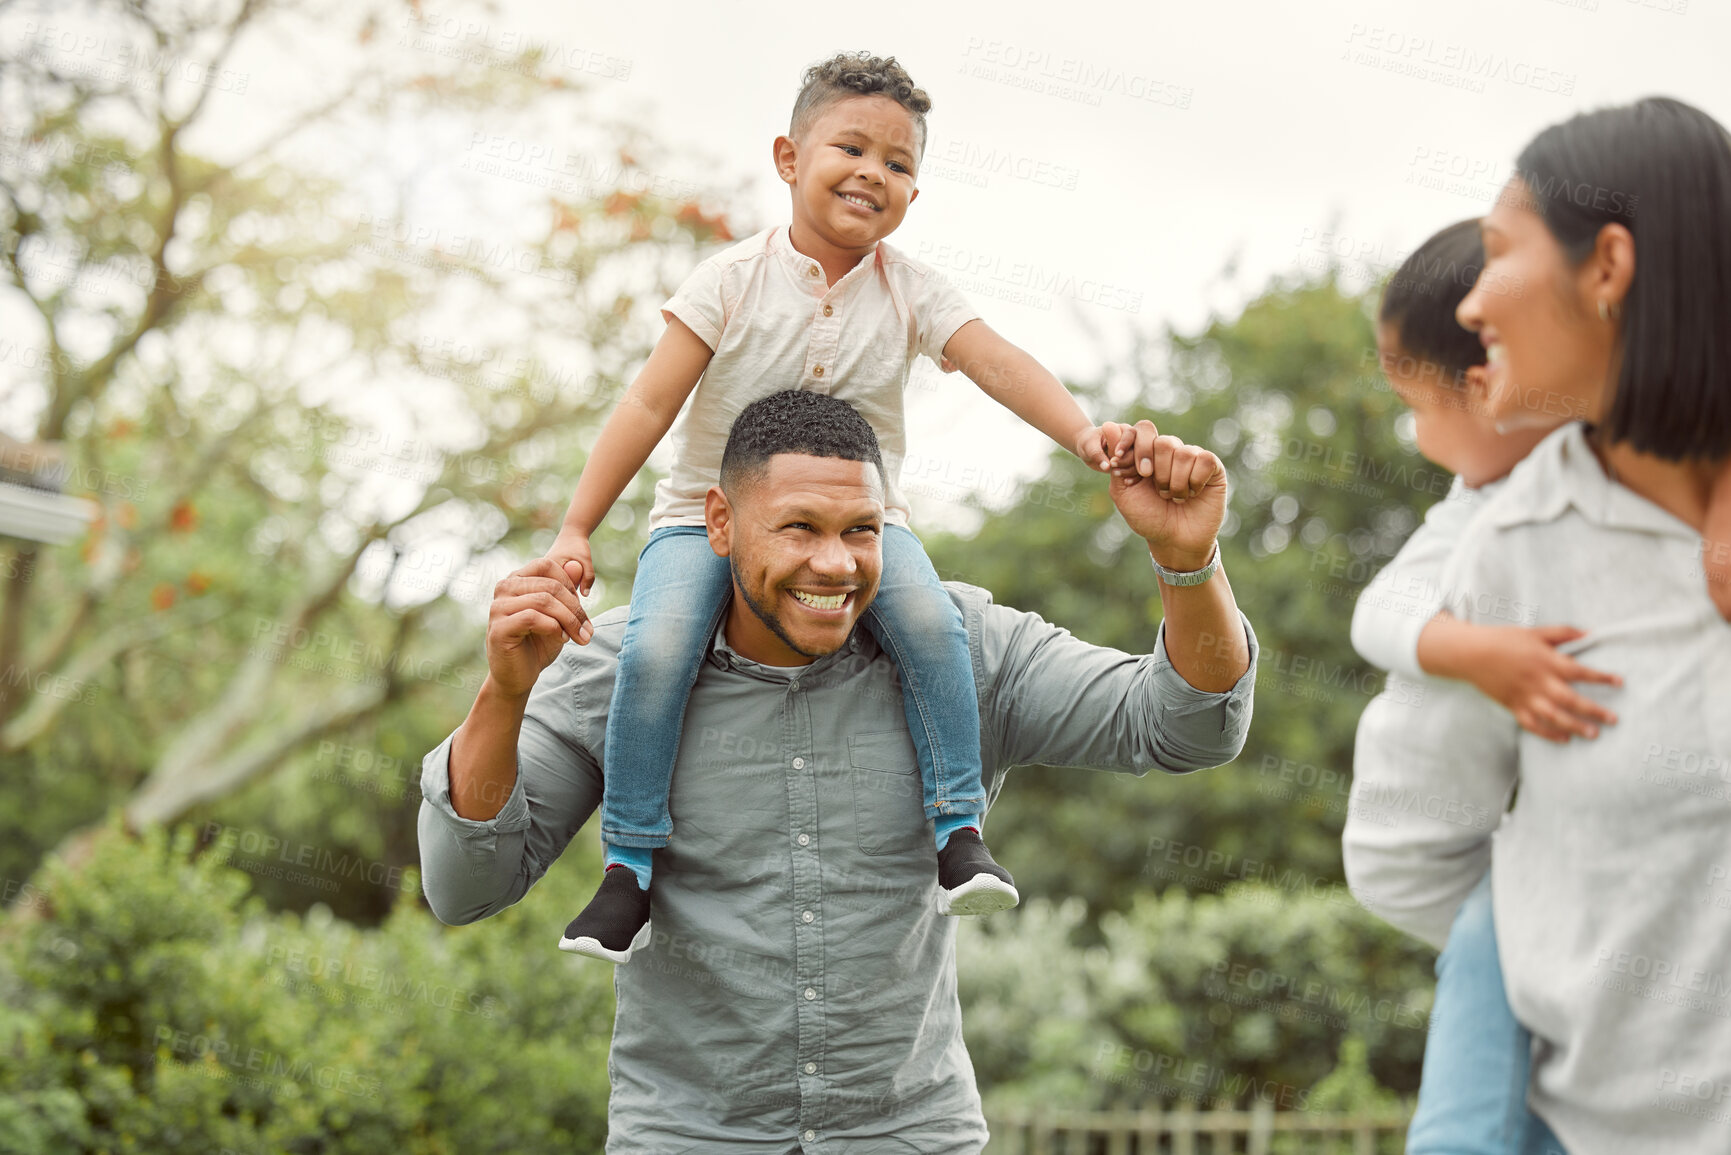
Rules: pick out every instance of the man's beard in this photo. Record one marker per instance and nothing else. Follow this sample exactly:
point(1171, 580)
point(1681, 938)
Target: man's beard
point(767, 616)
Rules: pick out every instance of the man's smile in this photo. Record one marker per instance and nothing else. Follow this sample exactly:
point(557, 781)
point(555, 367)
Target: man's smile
point(823, 602)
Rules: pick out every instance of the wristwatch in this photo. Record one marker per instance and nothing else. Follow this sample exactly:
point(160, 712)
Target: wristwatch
point(1193, 577)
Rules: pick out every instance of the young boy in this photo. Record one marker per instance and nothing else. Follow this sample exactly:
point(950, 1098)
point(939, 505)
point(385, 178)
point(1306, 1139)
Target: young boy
point(823, 304)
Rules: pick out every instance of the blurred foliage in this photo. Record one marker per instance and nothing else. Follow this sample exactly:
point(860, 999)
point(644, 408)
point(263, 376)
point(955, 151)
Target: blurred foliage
point(1323, 491)
point(1251, 995)
point(151, 1006)
point(317, 426)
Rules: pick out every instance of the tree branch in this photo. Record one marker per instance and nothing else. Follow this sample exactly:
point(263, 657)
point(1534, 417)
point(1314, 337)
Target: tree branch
point(178, 783)
point(91, 661)
point(12, 624)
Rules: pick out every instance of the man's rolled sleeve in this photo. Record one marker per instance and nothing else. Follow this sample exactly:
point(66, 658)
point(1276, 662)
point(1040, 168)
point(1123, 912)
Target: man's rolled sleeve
point(472, 869)
point(469, 869)
point(1202, 728)
point(476, 837)
point(1054, 700)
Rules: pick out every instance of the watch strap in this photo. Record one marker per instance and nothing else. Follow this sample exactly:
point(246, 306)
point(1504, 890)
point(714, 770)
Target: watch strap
point(1193, 577)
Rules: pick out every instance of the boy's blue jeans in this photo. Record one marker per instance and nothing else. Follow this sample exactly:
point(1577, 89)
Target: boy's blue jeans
point(677, 601)
point(1473, 1098)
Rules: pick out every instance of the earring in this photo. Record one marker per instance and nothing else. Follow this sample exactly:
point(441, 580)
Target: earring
point(1604, 310)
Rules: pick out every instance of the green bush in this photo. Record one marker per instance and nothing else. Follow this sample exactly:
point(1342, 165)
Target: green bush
point(152, 1006)
point(1259, 993)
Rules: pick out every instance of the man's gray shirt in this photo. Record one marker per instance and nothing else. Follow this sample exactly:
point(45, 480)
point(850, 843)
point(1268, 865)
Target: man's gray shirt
point(799, 989)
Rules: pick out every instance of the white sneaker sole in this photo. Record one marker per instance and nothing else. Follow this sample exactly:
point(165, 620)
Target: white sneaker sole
point(585, 945)
point(981, 894)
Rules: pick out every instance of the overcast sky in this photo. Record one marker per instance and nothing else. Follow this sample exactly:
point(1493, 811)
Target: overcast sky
point(1093, 169)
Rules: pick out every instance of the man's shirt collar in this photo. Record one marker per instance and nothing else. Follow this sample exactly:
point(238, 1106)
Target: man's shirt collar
point(818, 672)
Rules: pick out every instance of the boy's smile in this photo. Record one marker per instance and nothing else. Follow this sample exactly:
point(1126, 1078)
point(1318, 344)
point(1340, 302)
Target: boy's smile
point(852, 177)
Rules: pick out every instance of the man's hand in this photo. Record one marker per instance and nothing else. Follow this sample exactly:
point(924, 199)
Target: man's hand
point(534, 610)
point(1171, 494)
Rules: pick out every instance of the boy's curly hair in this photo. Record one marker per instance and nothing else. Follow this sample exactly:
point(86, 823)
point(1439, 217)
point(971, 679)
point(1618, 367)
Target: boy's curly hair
point(858, 74)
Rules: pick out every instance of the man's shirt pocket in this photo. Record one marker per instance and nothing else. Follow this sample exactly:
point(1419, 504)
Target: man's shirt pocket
point(889, 805)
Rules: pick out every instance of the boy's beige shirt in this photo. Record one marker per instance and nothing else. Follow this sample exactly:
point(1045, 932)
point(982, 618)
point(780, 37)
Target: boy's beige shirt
point(773, 323)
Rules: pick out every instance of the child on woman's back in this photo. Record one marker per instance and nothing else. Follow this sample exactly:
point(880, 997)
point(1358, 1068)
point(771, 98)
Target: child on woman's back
point(1438, 369)
point(822, 304)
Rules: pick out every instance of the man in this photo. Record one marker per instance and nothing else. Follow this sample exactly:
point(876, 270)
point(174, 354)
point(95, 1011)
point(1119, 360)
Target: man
point(798, 992)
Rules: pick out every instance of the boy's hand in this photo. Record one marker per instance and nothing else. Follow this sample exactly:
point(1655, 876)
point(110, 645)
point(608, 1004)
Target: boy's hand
point(1119, 441)
point(570, 552)
point(1521, 668)
point(1716, 543)
point(1094, 445)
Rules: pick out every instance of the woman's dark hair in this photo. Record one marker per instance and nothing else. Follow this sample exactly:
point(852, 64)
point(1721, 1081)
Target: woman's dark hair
point(1419, 302)
point(795, 421)
point(859, 74)
point(1662, 169)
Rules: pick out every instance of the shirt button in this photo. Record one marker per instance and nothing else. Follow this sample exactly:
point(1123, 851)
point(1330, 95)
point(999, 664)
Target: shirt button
point(818, 372)
point(828, 310)
point(810, 1135)
point(811, 1068)
point(810, 994)
point(811, 271)
point(804, 840)
point(799, 763)
point(806, 916)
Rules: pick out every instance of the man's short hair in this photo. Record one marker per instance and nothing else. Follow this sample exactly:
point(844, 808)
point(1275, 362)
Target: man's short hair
point(848, 74)
point(795, 421)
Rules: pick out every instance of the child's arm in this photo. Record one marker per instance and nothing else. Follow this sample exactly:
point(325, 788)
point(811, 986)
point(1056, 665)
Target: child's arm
point(1394, 607)
point(1521, 668)
point(1013, 379)
point(637, 424)
point(1716, 542)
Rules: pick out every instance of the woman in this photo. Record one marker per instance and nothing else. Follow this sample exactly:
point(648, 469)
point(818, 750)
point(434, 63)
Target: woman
point(1608, 869)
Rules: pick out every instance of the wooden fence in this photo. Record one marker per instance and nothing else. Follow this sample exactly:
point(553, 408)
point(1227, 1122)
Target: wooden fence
point(1261, 1131)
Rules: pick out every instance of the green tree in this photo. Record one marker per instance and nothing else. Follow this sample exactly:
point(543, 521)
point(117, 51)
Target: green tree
point(315, 427)
point(1324, 490)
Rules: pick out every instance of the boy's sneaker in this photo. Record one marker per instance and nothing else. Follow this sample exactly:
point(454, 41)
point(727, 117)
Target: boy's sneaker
point(616, 921)
point(969, 880)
